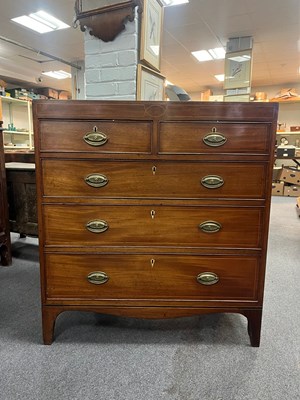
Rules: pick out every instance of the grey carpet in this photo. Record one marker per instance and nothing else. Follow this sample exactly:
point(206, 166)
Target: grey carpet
point(199, 358)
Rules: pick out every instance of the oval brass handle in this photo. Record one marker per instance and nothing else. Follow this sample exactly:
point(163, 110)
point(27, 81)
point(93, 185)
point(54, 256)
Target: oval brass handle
point(212, 181)
point(214, 139)
point(207, 278)
point(210, 226)
point(95, 138)
point(96, 180)
point(97, 226)
point(97, 277)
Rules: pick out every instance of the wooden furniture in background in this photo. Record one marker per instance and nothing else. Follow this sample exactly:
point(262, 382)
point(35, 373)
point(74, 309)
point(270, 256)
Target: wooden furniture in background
point(21, 193)
point(153, 209)
point(5, 245)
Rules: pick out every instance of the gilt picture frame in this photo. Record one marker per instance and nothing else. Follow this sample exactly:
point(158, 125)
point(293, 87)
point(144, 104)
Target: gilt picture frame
point(151, 33)
point(150, 84)
point(238, 66)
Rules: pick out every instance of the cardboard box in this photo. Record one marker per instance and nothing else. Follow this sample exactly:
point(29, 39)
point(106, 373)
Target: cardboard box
point(295, 128)
point(285, 151)
point(50, 93)
point(290, 175)
point(276, 173)
point(277, 188)
point(217, 97)
point(64, 95)
point(291, 191)
point(204, 96)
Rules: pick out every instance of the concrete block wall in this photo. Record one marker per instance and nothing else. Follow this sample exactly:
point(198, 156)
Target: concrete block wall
point(111, 68)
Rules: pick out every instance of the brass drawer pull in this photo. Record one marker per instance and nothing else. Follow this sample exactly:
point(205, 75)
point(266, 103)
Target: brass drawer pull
point(97, 277)
point(214, 139)
point(210, 226)
point(212, 181)
point(96, 180)
point(207, 278)
point(97, 226)
point(95, 138)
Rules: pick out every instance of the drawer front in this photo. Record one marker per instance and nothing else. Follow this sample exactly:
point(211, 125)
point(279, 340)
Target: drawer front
point(96, 136)
point(153, 179)
point(197, 137)
point(133, 276)
point(97, 225)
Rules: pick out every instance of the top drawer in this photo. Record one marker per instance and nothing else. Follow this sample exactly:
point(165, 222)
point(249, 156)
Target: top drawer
point(197, 137)
point(96, 136)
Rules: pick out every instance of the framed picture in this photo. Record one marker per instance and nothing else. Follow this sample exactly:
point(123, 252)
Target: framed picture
point(150, 84)
point(237, 97)
point(151, 33)
point(238, 69)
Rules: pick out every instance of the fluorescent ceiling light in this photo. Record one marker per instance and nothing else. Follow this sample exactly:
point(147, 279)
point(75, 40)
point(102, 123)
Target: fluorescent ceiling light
point(212, 54)
point(217, 53)
point(32, 24)
point(41, 22)
point(169, 3)
point(202, 55)
point(58, 74)
point(220, 77)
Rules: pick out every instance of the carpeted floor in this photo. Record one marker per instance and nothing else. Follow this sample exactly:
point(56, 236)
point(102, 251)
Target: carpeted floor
point(109, 358)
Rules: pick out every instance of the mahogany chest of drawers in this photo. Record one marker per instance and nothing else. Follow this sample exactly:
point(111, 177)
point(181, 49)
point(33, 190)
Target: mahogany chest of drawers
point(153, 209)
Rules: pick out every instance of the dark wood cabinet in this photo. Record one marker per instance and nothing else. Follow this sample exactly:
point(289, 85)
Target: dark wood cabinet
point(153, 209)
point(21, 193)
point(5, 246)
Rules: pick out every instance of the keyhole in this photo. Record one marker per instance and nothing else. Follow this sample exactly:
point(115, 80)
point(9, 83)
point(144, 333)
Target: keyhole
point(154, 170)
point(214, 130)
point(95, 129)
point(152, 213)
point(152, 262)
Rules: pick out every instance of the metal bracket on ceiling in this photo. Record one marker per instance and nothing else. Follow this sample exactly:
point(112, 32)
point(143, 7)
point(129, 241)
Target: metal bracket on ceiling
point(23, 46)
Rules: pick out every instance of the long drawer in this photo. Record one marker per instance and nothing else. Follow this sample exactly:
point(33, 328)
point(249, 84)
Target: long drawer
point(96, 136)
point(200, 137)
point(135, 276)
point(76, 225)
point(153, 179)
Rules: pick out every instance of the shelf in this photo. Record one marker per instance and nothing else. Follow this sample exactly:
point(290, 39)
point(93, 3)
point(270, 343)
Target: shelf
point(8, 99)
point(17, 113)
point(18, 132)
point(288, 133)
point(16, 147)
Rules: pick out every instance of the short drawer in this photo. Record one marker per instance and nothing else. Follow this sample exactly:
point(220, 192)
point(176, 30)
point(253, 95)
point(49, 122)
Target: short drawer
point(153, 179)
point(76, 225)
point(198, 137)
point(164, 277)
point(96, 136)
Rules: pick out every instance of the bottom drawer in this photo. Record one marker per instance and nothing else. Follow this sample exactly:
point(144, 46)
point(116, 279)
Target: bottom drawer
point(142, 277)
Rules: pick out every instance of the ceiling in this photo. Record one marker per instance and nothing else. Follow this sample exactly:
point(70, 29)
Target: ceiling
point(201, 24)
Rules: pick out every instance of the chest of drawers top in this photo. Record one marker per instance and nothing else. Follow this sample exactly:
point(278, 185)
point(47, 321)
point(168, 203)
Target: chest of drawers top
point(156, 129)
